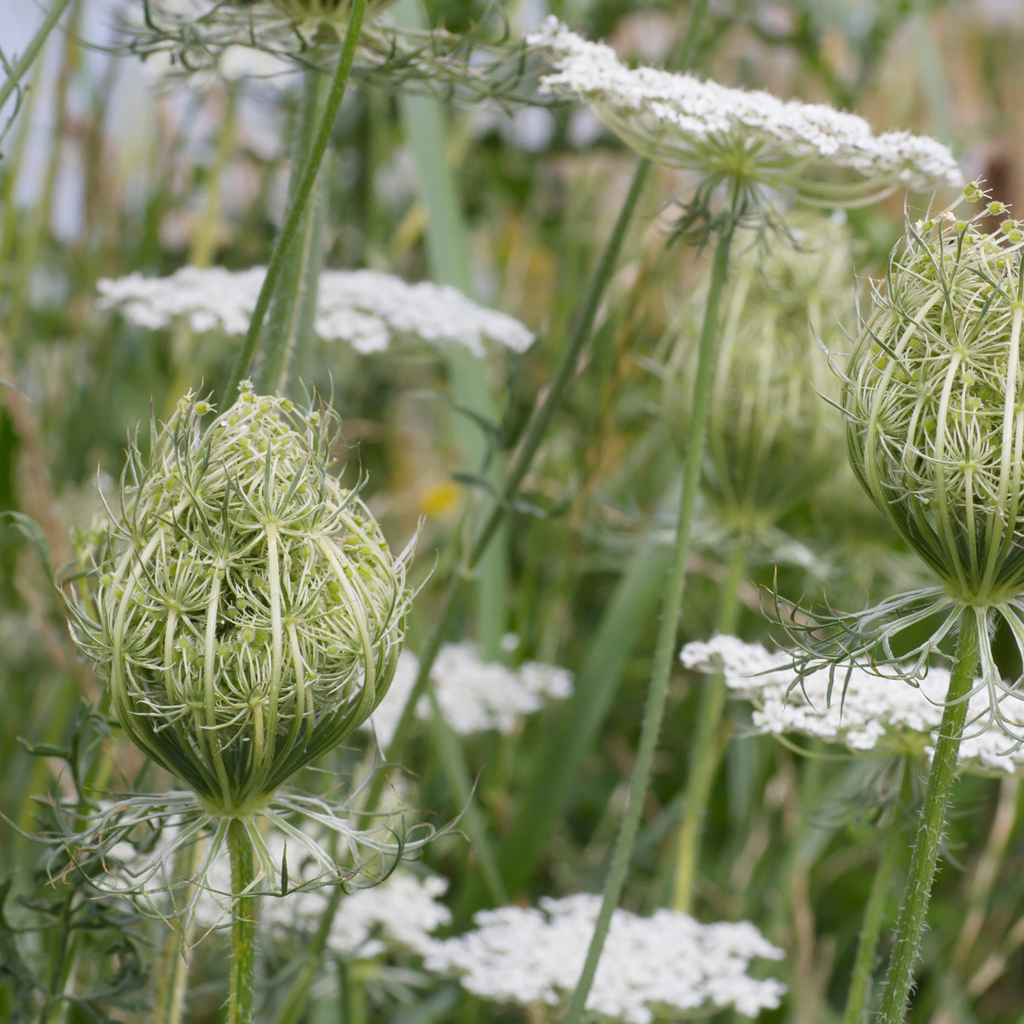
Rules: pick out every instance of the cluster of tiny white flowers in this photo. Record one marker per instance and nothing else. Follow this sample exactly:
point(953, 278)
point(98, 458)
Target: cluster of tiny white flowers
point(668, 114)
point(650, 965)
point(874, 714)
point(365, 308)
point(474, 695)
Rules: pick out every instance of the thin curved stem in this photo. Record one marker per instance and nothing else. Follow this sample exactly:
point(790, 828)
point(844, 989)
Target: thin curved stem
point(910, 924)
point(708, 742)
point(293, 219)
point(871, 928)
point(521, 463)
point(243, 926)
point(297, 996)
point(666, 643)
point(17, 71)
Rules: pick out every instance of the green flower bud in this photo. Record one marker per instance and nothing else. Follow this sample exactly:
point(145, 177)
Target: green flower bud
point(933, 406)
point(771, 438)
point(238, 642)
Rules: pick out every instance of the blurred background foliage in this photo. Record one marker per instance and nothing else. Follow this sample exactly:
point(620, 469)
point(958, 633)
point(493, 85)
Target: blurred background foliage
point(110, 168)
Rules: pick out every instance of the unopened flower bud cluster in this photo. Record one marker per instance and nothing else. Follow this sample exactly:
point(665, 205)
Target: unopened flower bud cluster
point(247, 611)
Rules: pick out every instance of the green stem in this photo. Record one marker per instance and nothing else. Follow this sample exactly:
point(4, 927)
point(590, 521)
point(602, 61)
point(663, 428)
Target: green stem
point(243, 926)
point(295, 1002)
point(24, 62)
point(455, 768)
point(293, 218)
point(520, 465)
point(665, 647)
point(708, 745)
point(531, 441)
point(910, 924)
point(871, 929)
point(292, 316)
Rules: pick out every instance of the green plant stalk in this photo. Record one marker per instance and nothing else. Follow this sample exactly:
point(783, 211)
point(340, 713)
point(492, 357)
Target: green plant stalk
point(351, 994)
point(39, 218)
point(665, 647)
point(447, 245)
point(706, 752)
point(871, 929)
point(472, 821)
point(910, 924)
point(633, 603)
point(25, 61)
point(294, 1004)
point(293, 217)
point(292, 315)
point(243, 926)
point(521, 463)
point(172, 974)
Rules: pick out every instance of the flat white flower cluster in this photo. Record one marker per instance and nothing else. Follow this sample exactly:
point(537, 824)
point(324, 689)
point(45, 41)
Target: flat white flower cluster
point(876, 713)
point(669, 114)
point(400, 913)
point(474, 695)
point(666, 963)
point(365, 308)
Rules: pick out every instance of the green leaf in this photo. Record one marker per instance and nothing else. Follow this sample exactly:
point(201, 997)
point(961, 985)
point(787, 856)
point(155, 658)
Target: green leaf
point(631, 608)
point(34, 533)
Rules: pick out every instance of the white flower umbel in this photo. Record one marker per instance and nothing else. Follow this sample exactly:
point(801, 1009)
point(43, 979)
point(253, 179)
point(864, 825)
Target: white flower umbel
point(699, 125)
point(474, 695)
point(664, 964)
point(364, 308)
point(864, 711)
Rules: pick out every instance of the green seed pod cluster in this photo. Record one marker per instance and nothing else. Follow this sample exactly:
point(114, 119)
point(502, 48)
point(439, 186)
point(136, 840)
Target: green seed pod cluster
point(247, 611)
point(771, 438)
point(933, 403)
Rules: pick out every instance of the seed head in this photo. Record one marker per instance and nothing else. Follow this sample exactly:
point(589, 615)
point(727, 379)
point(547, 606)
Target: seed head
point(933, 409)
point(771, 438)
point(246, 608)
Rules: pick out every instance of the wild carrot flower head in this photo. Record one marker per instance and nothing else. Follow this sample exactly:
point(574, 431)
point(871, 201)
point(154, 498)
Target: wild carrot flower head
point(770, 436)
point(933, 402)
point(748, 139)
point(247, 612)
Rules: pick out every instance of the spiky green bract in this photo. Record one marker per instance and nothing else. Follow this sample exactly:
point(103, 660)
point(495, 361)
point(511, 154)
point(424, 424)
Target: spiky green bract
point(247, 612)
point(771, 439)
point(932, 401)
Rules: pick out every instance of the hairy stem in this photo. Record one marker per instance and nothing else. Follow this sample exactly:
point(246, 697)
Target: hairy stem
point(910, 924)
point(293, 218)
point(871, 928)
point(665, 646)
point(243, 926)
point(708, 743)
